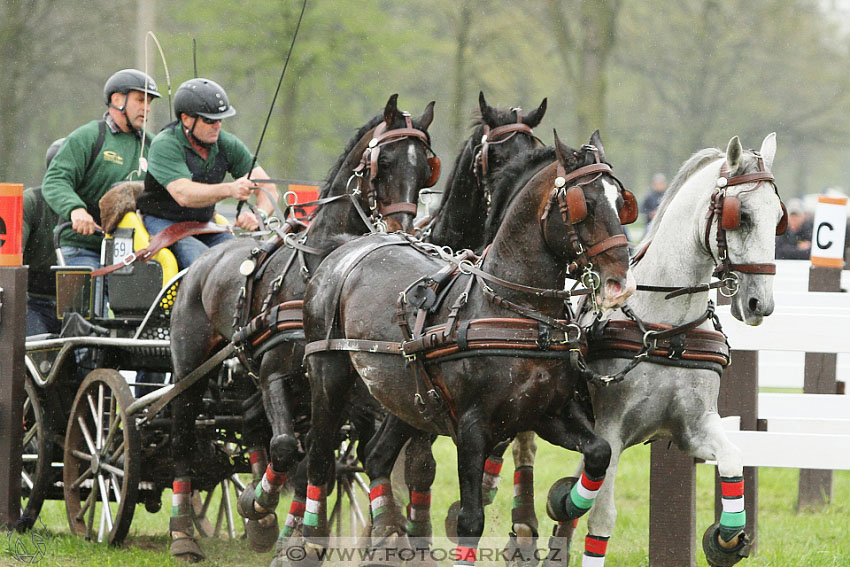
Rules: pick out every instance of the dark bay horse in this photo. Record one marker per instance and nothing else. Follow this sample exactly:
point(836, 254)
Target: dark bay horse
point(526, 357)
point(499, 135)
point(376, 181)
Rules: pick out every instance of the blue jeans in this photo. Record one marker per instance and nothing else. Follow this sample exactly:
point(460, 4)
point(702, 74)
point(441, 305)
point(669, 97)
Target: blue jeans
point(186, 250)
point(41, 316)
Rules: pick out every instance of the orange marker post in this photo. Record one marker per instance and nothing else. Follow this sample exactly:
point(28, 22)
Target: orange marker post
point(11, 224)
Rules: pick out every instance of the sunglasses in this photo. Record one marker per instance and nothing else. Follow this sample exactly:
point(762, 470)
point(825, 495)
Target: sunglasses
point(209, 120)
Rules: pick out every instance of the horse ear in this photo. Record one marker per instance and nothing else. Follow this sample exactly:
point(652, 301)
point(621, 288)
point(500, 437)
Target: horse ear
point(427, 116)
point(596, 140)
point(535, 116)
point(487, 113)
point(565, 154)
point(734, 155)
point(391, 110)
point(768, 149)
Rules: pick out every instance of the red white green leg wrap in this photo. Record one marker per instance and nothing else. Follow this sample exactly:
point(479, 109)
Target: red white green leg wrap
point(490, 481)
point(594, 551)
point(380, 497)
point(268, 489)
point(259, 459)
point(315, 511)
point(464, 556)
point(295, 518)
point(582, 495)
point(181, 506)
point(523, 509)
point(419, 515)
point(734, 517)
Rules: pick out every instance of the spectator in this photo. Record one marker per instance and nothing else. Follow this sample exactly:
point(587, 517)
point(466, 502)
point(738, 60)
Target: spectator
point(796, 243)
point(650, 203)
point(39, 255)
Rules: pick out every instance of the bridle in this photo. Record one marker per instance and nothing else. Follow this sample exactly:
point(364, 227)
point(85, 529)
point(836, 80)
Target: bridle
point(498, 135)
point(727, 210)
point(568, 195)
point(367, 170)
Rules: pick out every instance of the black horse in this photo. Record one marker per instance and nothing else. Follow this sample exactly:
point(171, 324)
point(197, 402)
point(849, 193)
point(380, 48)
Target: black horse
point(376, 181)
point(503, 361)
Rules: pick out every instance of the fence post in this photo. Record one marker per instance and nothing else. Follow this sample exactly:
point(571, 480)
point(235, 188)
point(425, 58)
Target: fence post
point(13, 310)
point(739, 396)
point(815, 486)
point(672, 507)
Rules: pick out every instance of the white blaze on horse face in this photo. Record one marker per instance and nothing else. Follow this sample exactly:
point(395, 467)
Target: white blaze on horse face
point(611, 193)
point(411, 155)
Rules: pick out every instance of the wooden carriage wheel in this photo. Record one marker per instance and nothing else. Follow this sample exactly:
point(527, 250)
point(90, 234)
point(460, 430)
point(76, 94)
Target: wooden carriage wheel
point(37, 453)
point(350, 480)
point(102, 459)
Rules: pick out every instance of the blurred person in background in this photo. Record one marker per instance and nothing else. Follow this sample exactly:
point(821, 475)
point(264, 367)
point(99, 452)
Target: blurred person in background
point(796, 243)
point(650, 203)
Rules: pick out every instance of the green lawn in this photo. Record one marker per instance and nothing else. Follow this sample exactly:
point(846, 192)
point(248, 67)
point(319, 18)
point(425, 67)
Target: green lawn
point(785, 538)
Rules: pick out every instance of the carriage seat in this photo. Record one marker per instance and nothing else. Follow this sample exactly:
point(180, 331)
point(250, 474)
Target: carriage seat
point(133, 288)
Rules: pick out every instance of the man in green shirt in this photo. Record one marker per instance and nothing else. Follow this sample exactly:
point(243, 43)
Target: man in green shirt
point(189, 160)
point(39, 255)
point(94, 157)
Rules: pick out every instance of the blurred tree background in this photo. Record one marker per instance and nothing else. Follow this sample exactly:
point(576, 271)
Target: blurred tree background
point(660, 79)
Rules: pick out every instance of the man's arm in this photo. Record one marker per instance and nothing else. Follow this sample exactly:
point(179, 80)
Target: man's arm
point(190, 193)
point(263, 201)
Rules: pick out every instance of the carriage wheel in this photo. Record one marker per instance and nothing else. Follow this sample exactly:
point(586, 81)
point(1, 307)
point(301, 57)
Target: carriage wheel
point(350, 480)
point(102, 454)
point(36, 455)
point(218, 502)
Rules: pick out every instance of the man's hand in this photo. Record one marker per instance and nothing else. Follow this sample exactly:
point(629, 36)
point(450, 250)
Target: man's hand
point(83, 222)
point(242, 188)
point(247, 221)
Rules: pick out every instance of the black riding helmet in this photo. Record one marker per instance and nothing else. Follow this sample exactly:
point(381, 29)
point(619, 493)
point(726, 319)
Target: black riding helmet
point(202, 97)
point(52, 151)
point(127, 80)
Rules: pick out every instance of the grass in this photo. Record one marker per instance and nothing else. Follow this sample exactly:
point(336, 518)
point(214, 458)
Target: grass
point(814, 539)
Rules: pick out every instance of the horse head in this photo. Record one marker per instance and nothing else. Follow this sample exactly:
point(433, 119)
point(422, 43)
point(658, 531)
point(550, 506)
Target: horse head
point(749, 215)
point(588, 230)
point(504, 134)
point(397, 162)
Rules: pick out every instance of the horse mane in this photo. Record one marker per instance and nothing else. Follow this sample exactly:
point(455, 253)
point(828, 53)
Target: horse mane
point(326, 186)
point(694, 164)
point(512, 178)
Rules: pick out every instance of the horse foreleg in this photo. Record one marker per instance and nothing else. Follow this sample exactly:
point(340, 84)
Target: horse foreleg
point(570, 497)
point(473, 444)
point(330, 384)
point(388, 522)
point(181, 525)
point(420, 469)
point(725, 543)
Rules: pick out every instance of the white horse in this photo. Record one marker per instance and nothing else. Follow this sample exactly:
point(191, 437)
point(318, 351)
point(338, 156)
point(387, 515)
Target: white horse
point(682, 249)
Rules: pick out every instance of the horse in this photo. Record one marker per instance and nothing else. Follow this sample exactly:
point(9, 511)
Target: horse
point(499, 134)
point(719, 217)
point(516, 376)
point(374, 183)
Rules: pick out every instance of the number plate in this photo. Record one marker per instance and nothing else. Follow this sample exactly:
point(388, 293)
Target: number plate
point(122, 248)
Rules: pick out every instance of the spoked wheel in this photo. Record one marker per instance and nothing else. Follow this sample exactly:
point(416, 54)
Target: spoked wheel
point(102, 454)
point(37, 456)
point(350, 479)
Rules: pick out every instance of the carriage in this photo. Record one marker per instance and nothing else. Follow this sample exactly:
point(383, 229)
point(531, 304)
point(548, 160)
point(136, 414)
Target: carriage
point(90, 436)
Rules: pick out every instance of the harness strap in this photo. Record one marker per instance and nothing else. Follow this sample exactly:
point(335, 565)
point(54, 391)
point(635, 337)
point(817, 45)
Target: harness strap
point(163, 239)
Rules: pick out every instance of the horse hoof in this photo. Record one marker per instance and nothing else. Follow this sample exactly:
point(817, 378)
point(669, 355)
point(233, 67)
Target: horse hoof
point(559, 545)
point(724, 555)
point(521, 550)
point(245, 503)
point(556, 500)
point(262, 534)
point(451, 521)
point(186, 549)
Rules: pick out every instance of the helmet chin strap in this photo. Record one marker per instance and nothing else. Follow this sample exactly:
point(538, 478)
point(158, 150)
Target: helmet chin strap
point(123, 110)
point(190, 132)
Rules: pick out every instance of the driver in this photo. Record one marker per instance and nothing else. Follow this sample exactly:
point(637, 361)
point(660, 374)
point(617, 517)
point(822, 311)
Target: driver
point(189, 159)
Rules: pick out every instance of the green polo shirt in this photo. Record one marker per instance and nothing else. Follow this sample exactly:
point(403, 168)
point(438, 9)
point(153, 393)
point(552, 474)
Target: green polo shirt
point(167, 158)
point(70, 184)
